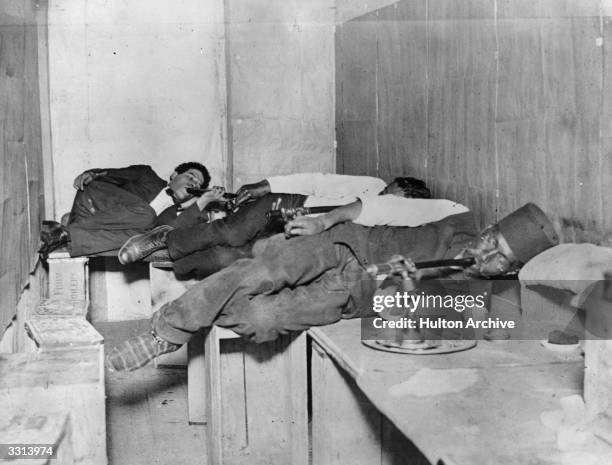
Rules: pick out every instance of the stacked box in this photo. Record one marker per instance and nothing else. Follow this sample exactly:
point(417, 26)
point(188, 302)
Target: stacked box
point(61, 308)
point(64, 332)
point(68, 277)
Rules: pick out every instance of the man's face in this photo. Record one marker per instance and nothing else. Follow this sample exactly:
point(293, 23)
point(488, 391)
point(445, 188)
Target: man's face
point(392, 188)
point(493, 255)
point(180, 182)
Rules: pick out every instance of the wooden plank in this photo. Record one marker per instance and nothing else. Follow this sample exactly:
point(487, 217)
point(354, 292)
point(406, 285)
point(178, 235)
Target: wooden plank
point(357, 149)
point(46, 368)
point(598, 348)
point(214, 431)
point(196, 380)
point(606, 135)
point(234, 401)
point(588, 73)
point(333, 443)
point(526, 378)
point(147, 419)
point(356, 50)
point(356, 53)
point(276, 382)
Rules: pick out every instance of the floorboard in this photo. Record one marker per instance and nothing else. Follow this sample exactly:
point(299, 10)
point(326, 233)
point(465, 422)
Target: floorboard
point(146, 411)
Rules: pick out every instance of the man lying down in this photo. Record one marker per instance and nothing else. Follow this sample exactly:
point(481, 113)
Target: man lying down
point(113, 204)
point(320, 277)
point(200, 249)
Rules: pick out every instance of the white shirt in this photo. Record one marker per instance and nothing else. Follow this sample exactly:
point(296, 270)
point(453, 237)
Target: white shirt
point(163, 201)
point(391, 210)
point(327, 189)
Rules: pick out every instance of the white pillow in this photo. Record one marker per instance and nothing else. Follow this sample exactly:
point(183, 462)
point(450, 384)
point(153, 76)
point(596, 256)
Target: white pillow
point(571, 267)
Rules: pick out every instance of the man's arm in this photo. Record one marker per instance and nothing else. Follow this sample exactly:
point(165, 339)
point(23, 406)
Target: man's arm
point(326, 185)
point(382, 210)
point(323, 185)
point(117, 176)
point(308, 226)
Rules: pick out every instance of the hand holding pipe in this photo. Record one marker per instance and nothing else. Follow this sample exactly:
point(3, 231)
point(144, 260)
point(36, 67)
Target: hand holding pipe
point(288, 214)
point(199, 192)
point(398, 266)
point(230, 205)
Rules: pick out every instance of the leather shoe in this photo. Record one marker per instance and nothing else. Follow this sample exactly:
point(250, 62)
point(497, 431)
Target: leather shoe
point(139, 246)
point(52, 236)
point(161, 255)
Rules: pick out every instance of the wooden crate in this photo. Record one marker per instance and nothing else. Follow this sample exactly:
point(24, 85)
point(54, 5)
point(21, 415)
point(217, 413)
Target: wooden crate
point(256, 400)
point(52, 332)
point(68, 277)
point(253, 397)
point(36, 428)
point(61, 308)
point(68, 381)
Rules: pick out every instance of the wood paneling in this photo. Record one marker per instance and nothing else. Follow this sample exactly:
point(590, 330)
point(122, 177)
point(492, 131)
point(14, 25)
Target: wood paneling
point(494, 102)
point(21, 189)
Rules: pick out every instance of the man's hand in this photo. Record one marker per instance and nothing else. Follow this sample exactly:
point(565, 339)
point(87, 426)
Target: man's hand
point(252, 191)
point(305, 226)
point(404, 267)
point(85, 178)
point(214, 194)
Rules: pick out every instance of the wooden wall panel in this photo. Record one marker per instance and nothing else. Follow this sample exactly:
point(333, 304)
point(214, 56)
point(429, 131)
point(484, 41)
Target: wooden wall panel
point(514, 105)
point(606, 137)
point(21, 158)
point(356, 98)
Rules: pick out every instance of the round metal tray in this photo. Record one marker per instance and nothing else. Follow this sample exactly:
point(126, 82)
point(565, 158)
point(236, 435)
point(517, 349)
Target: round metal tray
point(426, 347)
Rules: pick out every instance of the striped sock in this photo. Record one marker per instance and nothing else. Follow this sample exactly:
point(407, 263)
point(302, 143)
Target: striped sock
point(137, 352)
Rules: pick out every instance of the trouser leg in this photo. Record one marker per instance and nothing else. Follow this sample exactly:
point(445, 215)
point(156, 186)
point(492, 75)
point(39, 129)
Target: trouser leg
point(104, 216)
point(206, 262)
point(278, 263)
point(235, 230)
point(264, 317)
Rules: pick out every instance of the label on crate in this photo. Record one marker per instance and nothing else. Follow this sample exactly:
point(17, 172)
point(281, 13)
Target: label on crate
point(50, 332)
point(62, 308)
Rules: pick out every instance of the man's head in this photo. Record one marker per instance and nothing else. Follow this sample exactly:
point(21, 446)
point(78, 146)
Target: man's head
point(407, 187)
point(506, 246)
point(191, 174)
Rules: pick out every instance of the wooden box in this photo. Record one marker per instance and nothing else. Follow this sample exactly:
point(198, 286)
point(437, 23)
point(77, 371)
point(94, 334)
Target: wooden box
point(68, 277)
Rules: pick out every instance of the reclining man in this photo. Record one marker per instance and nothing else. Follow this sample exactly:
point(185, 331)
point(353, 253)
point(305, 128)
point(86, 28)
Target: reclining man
point(203, 249)
point(111, 205)
point(293, 284)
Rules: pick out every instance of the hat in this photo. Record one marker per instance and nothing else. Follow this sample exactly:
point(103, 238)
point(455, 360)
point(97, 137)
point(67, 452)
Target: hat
point(528, 231)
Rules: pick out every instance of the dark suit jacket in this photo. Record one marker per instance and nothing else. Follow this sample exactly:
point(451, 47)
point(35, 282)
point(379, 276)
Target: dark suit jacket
point(115, 206)
point(139, 180)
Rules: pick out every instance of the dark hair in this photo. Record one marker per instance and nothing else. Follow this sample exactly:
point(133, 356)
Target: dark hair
point(413, 187)
point(195, 166)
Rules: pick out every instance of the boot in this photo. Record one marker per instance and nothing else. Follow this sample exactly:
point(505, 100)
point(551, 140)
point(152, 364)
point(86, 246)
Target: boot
point(139, 246)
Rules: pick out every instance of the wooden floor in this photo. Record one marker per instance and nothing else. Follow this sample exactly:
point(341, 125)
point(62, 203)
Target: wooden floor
point(146, 411)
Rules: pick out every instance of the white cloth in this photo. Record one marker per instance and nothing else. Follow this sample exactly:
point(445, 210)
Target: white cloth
point(163, 201)
point(327, 189)
point(391, 210)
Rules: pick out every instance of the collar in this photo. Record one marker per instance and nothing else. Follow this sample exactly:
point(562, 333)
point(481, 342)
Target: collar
point(178, 205)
